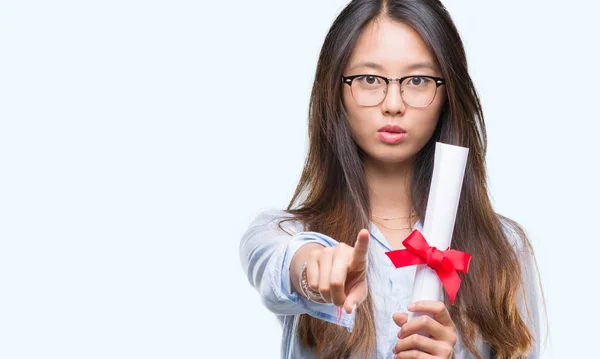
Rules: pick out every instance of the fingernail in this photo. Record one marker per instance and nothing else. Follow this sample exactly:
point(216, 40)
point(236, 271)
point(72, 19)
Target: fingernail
point(411, 306)
point(353, 309)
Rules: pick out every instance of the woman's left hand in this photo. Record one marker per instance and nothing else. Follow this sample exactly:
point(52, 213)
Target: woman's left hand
point(440, 328)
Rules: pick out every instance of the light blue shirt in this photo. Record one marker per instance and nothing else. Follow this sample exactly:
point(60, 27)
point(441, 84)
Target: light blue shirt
point(266, 253)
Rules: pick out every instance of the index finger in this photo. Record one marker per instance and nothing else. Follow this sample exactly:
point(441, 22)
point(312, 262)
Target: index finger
point(361, 250)
point(435, 307)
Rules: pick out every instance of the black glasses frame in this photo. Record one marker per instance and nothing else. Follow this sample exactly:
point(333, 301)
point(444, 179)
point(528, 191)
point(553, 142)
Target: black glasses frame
point(439, 81)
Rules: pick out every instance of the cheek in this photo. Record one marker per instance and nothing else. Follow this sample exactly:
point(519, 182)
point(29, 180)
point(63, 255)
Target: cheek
point(355, 114)
point(429, 119)
point(423, 130)
point(363, 123)
point(348, 101)
point(428, 124)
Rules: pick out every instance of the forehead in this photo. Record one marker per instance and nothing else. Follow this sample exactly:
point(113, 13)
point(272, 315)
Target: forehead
point(393, 45)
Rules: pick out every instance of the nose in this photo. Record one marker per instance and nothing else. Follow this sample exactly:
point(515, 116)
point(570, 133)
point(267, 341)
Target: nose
point(392, 103)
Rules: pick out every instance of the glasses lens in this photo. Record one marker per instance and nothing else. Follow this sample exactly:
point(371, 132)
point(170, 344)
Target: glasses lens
point(418, 91)
point(368, 90)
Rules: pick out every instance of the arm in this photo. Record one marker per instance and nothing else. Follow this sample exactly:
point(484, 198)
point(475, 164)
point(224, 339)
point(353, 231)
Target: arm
point(272, 259)
point(531, 299)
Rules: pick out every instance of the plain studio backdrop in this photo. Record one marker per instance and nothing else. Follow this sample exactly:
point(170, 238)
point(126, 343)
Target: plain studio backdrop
point(138, 139)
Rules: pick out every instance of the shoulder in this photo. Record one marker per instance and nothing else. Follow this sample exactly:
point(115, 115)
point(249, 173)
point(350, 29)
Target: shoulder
point(531, 299)
point(277, 219)
point(515, 234)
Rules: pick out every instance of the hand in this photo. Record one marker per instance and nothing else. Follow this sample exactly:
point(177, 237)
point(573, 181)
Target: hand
point(340, 273)
point(440, 328)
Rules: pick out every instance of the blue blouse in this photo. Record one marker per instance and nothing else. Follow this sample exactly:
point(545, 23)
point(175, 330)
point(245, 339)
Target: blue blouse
point(266, 253)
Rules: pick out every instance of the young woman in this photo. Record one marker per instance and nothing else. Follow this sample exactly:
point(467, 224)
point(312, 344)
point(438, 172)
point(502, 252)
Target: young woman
point(391, 81)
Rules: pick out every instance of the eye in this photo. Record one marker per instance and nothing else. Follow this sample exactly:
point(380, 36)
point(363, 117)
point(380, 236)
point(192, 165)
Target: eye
point(369, 80)
point(418, 81)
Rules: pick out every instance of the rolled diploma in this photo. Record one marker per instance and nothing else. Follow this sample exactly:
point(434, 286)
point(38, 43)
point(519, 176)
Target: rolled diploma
point(444, 194)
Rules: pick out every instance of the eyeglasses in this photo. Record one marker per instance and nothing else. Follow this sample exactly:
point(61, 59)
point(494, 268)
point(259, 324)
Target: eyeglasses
point(415, 90)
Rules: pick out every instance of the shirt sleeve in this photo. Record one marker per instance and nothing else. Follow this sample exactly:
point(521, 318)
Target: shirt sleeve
point(531, 302)
point(266, 253)
point(530, 299)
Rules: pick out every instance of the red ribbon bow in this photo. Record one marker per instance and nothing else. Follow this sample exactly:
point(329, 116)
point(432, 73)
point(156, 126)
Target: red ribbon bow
point(444, 263)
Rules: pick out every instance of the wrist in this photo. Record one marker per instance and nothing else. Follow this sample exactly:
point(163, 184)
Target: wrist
point(306, 290)
point(301, 256)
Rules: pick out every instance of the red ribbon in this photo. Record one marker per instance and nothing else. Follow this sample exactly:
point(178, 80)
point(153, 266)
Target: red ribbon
point(445, 263)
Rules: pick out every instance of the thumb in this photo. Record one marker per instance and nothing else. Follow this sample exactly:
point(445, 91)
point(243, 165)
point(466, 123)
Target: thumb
point(400, 318)
point(361, 250)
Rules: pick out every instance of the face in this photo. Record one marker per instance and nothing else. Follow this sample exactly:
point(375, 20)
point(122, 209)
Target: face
point(393, 50)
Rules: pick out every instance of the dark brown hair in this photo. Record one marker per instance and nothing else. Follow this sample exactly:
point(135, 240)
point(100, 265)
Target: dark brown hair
point(332, 196)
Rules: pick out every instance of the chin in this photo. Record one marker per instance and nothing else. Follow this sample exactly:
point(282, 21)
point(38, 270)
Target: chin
point(392, 157)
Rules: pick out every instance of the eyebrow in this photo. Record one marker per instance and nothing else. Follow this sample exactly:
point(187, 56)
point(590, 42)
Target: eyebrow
point(414, 66)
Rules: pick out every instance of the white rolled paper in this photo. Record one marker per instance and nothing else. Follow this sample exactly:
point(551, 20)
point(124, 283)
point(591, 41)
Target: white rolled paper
point(446, 183)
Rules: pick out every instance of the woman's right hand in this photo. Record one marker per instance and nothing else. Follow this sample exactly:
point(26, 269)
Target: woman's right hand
point(340, 273)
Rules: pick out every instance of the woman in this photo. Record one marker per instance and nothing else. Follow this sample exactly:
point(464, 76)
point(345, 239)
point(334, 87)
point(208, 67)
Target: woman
point(391, 81)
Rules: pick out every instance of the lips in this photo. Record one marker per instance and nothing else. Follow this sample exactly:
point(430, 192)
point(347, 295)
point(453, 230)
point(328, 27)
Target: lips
point(392, 129)
point(391, 134)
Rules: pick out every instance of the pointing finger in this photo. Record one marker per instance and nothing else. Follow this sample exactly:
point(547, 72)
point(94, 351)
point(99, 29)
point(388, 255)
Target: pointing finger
point(361, 250)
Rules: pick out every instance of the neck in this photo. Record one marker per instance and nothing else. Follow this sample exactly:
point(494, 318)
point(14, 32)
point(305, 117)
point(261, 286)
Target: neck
point(389, 188)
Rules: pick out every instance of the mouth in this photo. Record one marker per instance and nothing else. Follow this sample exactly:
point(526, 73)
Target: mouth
point(391, 134)
point(392, 129)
